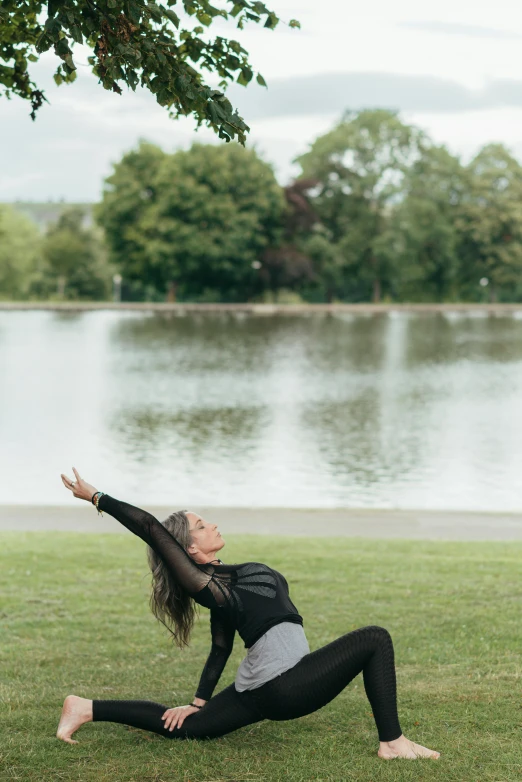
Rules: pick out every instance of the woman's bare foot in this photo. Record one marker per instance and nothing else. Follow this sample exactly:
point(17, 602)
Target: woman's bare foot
point(404, 748)
point(76, 711)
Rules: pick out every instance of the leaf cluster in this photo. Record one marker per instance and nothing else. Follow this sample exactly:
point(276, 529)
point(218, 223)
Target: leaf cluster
point(136, 42)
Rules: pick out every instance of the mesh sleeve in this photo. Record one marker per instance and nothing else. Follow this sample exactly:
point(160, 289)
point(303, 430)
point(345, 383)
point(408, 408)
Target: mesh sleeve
point(149, 529)
point(222, 642)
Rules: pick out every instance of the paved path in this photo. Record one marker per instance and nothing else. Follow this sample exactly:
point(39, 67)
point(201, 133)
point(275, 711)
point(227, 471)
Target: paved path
point(420, 525)
point(261, 309)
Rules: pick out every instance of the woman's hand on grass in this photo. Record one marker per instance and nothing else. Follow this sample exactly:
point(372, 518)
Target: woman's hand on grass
point(79, 487)
point(176, 717)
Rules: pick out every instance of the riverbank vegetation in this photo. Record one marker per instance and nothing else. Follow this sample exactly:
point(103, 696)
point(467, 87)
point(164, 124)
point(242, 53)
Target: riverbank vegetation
point(378, 213)
point(74, 618)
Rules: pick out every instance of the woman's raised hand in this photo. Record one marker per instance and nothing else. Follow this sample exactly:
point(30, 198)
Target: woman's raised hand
point(79, 487)
point(174, 718)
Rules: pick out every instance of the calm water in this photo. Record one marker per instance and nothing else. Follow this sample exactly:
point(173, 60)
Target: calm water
point(389, 411)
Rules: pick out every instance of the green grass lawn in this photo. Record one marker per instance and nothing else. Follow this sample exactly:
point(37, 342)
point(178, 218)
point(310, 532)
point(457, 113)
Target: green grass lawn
point(74, 618)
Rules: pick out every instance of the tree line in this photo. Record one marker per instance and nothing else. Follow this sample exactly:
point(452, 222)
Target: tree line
point(378, 212)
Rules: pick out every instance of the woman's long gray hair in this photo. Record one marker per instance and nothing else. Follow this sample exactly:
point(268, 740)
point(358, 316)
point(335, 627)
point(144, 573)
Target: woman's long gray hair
point(169, 602)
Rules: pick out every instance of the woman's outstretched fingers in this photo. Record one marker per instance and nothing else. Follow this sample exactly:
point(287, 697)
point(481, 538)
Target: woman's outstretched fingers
point(66, 482)
point(80, 488)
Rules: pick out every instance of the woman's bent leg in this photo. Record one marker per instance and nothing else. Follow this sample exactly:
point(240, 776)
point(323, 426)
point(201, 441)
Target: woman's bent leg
point(321, 675)
point(226, 712)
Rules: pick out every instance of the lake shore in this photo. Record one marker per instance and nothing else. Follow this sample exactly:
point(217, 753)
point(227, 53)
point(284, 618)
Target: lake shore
point(322, 522)
point(261, 309)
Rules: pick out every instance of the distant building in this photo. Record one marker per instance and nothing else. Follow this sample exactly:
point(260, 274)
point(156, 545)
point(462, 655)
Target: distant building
point(48, 212)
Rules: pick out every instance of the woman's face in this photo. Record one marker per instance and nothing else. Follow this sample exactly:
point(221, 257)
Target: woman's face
point(205, 536)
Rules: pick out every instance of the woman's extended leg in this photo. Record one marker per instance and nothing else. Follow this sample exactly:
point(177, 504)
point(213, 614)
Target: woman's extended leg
point(224, 713)
point(321, 675)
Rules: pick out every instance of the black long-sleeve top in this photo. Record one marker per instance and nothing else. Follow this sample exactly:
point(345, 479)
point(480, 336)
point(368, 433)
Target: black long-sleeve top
point(250, 598)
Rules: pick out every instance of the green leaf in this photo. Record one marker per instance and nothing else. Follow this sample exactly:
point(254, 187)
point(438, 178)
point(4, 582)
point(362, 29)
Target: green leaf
point(77, 33)
point(132, 80)
point(155, 12)
point(53, 6)
point(62, 47)
point(52, 27)
point(172, 16)
point(69, 62)
point(260, 80)
point(134, 13)
point(213, 113)
point(32, 58)
point(58, 78)
point(272, 21)
point(245, 76)
point(90, 24)
point(294, 23)
point(205, 19)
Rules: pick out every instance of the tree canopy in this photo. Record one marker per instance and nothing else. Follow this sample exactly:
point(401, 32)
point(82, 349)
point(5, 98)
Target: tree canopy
point(20, 253)
point(196, 220)
point(422, 236)
point(490, 219)
point(359, 167)
point(75, 258)
point(136, 42)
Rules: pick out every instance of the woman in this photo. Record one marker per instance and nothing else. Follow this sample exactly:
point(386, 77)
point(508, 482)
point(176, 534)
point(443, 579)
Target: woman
point(279, 679)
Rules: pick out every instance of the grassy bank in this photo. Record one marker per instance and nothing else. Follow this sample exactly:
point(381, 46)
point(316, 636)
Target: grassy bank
point(74, 618)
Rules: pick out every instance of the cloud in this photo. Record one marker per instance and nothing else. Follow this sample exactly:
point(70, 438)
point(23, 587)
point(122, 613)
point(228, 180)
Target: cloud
point(336, 92)
point(450, 28)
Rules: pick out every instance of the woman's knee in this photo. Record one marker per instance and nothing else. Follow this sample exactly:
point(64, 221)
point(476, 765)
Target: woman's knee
point(381, 634)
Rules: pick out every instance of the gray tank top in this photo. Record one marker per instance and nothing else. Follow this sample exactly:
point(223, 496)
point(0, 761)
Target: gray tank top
point(278, 650)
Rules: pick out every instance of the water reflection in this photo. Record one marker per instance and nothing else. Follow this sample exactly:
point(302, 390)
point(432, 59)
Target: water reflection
point(443, 339)
point(189, 434)
point(392, 410)
point(197, 343)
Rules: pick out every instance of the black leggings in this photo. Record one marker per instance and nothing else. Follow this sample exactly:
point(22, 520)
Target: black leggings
point(312, 683)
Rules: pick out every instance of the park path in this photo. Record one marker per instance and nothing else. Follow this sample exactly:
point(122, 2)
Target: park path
point(329, 522)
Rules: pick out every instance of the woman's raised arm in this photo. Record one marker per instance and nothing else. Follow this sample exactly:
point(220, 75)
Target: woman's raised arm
point(149, 529)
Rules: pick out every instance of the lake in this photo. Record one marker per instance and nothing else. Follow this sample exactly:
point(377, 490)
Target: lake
point(396, 410)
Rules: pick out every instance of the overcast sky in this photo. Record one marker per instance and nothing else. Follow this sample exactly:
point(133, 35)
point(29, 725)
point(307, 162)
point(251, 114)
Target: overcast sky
point(453, 68)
